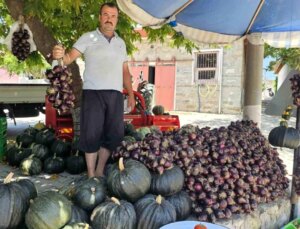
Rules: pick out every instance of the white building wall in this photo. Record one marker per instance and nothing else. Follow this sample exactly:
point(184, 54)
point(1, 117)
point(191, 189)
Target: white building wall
point(189, 96)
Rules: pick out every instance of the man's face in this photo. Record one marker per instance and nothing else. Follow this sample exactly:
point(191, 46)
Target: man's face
point(108, 18)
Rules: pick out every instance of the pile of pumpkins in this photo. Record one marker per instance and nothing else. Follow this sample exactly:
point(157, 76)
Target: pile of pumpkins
point(38, 150)
point(129, 197)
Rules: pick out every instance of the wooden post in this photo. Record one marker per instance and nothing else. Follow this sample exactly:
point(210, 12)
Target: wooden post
point(295, 211)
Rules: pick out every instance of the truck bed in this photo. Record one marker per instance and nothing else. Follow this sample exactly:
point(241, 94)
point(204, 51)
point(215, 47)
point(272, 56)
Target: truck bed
point(22, 93)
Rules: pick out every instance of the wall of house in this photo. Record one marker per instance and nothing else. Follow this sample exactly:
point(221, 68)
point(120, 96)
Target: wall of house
point(206, 98)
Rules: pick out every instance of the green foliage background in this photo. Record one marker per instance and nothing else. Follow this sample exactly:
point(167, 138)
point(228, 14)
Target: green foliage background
point(67, 20)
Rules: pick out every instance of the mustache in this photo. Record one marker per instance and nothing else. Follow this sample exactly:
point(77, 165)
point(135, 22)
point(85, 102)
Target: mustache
point(108, 22)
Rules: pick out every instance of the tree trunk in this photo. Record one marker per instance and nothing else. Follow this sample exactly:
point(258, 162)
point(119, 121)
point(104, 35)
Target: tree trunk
point(44, 41)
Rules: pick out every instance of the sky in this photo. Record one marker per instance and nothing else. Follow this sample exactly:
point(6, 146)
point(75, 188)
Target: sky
point(268, 75)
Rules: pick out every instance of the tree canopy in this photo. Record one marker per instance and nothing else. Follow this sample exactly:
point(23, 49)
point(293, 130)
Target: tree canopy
point(65, 21)
point(290, 56)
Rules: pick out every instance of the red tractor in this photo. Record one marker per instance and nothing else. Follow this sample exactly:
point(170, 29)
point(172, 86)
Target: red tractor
point(63, 124)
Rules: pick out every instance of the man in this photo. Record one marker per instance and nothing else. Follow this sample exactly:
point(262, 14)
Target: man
point(106, 73)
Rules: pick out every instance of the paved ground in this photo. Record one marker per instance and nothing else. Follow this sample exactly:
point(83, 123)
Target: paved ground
point(44, 182)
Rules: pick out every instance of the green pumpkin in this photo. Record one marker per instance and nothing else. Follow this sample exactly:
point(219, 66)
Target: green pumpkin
point(154, 212)
point(90, 193)
point(76, 164)
point(78, 215)
point(16, 154)
point(31, 166)
point(54, 165)
point(50, 210)
point(144, 131)
point(61, 148)
point(168, 183)
point(31, 131)
point(129, 139)
point(138, 136)
point(45, 137)
point(28, 187)
point(130, 180)
point(283, 136)
point(26, 139)
point(114, 214)
point(158, 110)
point(69, 190)
point(128, 129)
point(40, 151)
point(14, 202)
point(155, 130)
point(182, 203)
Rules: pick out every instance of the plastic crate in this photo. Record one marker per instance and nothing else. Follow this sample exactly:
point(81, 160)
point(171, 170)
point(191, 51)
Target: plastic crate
point(63, 124)
point(164, 122)
point(3, 126)
point(3, 147)
point(295, 224)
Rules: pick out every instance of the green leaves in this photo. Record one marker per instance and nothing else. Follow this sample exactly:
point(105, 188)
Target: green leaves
point(67, 20)
point(289, 56)
point(32, 65)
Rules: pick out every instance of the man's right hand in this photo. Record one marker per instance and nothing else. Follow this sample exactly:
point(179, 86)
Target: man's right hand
point(58, 52)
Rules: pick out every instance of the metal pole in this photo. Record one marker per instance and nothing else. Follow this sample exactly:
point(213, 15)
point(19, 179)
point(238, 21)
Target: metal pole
point(295, 209)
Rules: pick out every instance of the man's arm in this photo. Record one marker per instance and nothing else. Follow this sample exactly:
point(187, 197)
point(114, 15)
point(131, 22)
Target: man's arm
point(128, 86)
point(58, 52)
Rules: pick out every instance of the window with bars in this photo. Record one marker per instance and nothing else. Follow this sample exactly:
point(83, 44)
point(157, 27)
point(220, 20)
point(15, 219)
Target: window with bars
point(206, 66)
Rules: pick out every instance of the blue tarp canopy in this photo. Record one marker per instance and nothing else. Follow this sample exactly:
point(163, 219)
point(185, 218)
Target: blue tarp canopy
point(222, 21)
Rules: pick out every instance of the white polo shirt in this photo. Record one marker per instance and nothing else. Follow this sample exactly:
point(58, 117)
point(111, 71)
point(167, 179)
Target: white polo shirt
point(103, 61)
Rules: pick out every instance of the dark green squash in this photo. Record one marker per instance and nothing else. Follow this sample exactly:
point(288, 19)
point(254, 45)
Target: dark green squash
point(114, 214)
point(45, 137)
point(129, 139)
point(77, 226)
point(54, 165)
point(16, 154)
point(154, 212)
point(40, 151)
point(69, 190)
point(61, 148)
point(182, 203)
point(168, 183)
point(50, 210)
point(31, 166)
point(158, 110)
point(14, 203)
point(75, 148)
point(31, 131)
point(128, 129)
point(78, 215)
point(138, 136)
point(130, 180)
point(26, 139)
point(283, 136)
point(76, 164)
point(90, 193)
point(28, 187)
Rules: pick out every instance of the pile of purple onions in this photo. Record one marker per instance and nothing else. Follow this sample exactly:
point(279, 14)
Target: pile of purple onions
point(295, 87)
point(228, 170)
point(60, 92)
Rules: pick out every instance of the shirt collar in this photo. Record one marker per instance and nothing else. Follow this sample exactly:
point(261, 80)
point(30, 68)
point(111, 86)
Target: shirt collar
point(101, 34)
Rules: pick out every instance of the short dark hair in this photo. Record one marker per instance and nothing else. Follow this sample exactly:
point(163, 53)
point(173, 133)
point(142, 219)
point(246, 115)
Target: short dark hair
point(109, 4)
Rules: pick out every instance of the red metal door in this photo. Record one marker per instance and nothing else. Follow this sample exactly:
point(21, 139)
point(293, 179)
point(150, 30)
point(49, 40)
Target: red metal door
point(165, 84)
point(135, 68)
